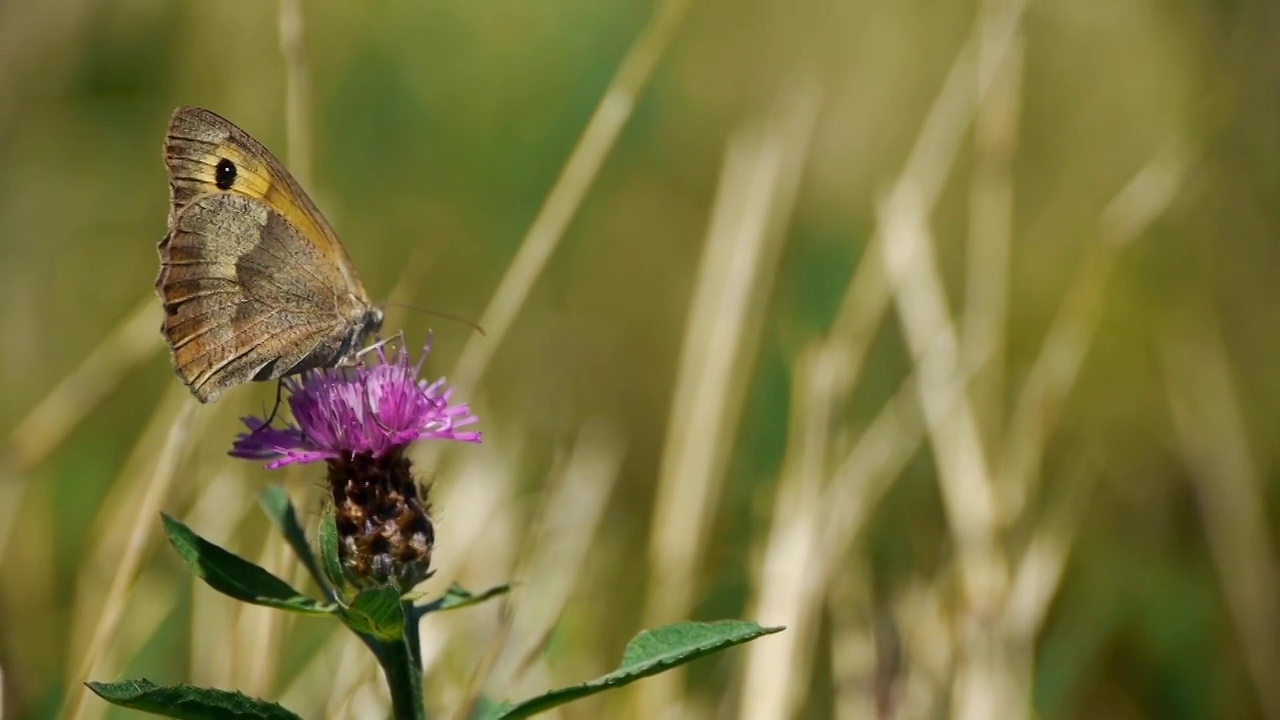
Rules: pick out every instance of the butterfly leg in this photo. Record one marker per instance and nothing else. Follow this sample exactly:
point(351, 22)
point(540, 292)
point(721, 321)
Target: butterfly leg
point(376, 345)
point(276, 407)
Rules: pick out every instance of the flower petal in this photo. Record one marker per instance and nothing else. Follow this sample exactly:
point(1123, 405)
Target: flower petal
point(374, 407)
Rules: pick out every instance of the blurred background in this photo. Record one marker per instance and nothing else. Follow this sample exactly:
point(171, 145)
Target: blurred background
point(940, 332)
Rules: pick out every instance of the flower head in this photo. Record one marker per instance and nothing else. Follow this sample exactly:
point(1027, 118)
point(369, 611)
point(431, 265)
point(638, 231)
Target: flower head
point(383, 518)
point(359, 420)
point(370, 409)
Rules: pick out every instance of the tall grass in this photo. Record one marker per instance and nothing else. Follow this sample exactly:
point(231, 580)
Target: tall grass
point(935, 332)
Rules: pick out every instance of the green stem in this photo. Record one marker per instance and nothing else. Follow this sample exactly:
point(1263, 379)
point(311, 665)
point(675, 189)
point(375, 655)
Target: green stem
point(402, 662)
point(411, 619)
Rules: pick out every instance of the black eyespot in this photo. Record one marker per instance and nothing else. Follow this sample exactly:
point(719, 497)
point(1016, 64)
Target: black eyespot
point(225, 174)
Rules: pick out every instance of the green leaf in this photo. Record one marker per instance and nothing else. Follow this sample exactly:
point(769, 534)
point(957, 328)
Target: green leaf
point(188, 702)
point(650, 653)
point(232, 575)
point(278, 506)
point(329, 551)
point(376, 612)
point(459, 597)
point(487, 707)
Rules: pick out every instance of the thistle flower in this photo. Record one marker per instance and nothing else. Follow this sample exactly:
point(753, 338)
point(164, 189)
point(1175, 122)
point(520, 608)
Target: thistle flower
point(370, 409)
point(360, 420)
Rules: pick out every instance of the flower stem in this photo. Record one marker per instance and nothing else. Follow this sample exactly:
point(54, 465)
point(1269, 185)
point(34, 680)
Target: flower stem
point(411, 619)
point(402, 662)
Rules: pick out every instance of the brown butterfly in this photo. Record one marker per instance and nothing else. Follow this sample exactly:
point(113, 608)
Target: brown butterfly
point(254, 282)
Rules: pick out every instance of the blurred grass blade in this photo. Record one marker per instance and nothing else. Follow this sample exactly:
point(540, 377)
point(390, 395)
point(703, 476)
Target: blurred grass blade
point(278, 506)
point(188, 702)
point(1053, 374)
point(376, 612)
point(576, 177)
point(759, 185)
point(131, 511)
point(44, 428)
point(793, 571)
point(651, 652)
point(293, 51)
point(1211, 428)
point(232, 575)
point(49, 423)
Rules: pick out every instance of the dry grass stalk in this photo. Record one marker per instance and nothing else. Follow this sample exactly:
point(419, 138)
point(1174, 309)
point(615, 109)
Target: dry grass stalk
point(1211, 429)
point(793, 567)
point(758, 188)
point(297, 94)
point(566, 195)
point(142, 528)
point(48, 424)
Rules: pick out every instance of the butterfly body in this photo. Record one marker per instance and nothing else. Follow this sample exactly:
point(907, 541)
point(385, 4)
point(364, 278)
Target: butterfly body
point(254, 282)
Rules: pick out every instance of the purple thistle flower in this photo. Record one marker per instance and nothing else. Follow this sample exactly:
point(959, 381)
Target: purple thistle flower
point(373, 409)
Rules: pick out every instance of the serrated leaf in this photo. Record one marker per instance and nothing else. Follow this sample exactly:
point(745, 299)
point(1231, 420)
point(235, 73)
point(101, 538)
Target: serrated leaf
point(459, 597)
point(376, 612)
point(678, 644)
point(187, 702)
point(329, 552)
point(232, 575)
point(278, 506)
point(649, 653)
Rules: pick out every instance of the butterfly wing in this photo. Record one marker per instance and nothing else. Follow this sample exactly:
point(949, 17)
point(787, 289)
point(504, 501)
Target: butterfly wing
point(247, 297)
point(206, 153)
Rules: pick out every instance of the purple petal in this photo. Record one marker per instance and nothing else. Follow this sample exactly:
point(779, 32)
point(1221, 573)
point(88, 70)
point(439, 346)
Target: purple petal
point(375, 407)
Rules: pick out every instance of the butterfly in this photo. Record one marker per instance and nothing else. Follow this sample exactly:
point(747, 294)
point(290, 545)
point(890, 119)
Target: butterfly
point(254, 282)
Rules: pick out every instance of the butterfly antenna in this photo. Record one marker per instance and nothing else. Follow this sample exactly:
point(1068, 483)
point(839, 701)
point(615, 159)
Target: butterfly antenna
point(448, 316)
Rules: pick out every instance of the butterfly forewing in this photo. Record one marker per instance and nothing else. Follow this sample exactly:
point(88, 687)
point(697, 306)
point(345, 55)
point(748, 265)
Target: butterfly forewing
point(205, 153)
point(254, 283)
